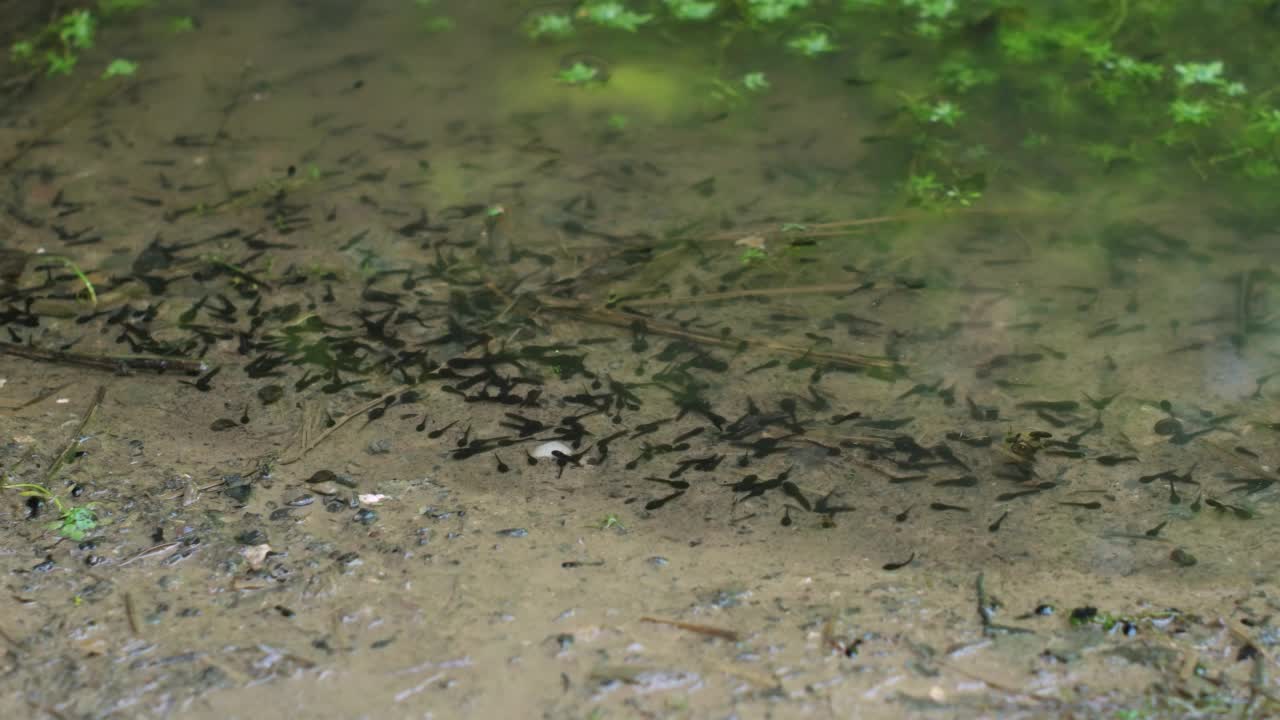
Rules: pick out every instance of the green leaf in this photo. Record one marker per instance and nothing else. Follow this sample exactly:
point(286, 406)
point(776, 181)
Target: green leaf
point(755, 82)
point(76, 29)
point(59, 64)
point(1209, 73)
point(695, 10)
point(550, 25)
point(22, 50)
point(121, 68)
point(812, 43)
point(614, 15)
point(579, 73)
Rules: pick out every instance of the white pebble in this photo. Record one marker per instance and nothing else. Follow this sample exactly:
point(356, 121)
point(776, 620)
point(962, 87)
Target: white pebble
point(548, 449)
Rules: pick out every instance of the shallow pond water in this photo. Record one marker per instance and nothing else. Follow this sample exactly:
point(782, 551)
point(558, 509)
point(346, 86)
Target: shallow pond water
point(1013, 460)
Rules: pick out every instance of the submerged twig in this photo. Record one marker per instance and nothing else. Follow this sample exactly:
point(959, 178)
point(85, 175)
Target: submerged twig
point(308, 446)
point(836, 289)
point(110, 363)
point(618, 318)
point(131, 614)
point(39, 397)
point(708, 630)
point(78, 436)
point(153, 550)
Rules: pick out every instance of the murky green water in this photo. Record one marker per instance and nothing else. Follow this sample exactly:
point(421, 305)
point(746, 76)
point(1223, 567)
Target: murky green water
point(824, 452)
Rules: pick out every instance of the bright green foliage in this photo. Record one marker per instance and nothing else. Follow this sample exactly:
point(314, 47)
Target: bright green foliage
point(942, 113)
point(578, 73)
point(613, 14)
point(76, 29)
point(76, 523)
point(611, 522)
point(768, 11)
point(694, 10)
point(1209, 73)
point(1126, 84)
point(184, 24)
point(812, 43)
point(59, 63)
point(753, 256)
point(121, 68)
point(73, 523)
point(755, 82)
point(549, 25)
point(1191, 112)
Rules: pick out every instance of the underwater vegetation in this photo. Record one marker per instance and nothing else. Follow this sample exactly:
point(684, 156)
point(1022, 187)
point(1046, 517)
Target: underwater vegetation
point(986, 88)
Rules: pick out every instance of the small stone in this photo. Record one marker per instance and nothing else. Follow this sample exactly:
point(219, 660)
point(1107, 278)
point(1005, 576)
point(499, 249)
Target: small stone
point(222, 424)
point(1168, 426)
point(322, 476)
point(302, 500)
point(514, 532)
point(256, 555)
point(1183, 558)
point(382, 446)
point(658, 561)
point(365, 516)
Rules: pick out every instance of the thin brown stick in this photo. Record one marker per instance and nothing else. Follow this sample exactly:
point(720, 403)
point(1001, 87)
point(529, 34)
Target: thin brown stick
point(626, 320)
point(309, 446)
point(832, 289)
point(110, 363)
point(708, 630)
point(1239, 630)
point(78, 436)
point(153, 550)
point(843, 224)
point(40, 397)
point(131, 614)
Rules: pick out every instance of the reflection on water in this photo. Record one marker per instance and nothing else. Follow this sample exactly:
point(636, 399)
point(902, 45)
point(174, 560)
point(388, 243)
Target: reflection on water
point(395, 265)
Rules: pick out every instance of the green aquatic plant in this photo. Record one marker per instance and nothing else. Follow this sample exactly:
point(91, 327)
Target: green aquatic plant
point(755, 81)
point(997, 87)
point(550, 25)
point(121, 68)
point(611, 522)
point(69, 264)
point(615, 15)
point(182, 24)
point(695, 10)
point(73, 523)
point(812, 43)
point(772, 11)
point(57, 46)
point(578, 73)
